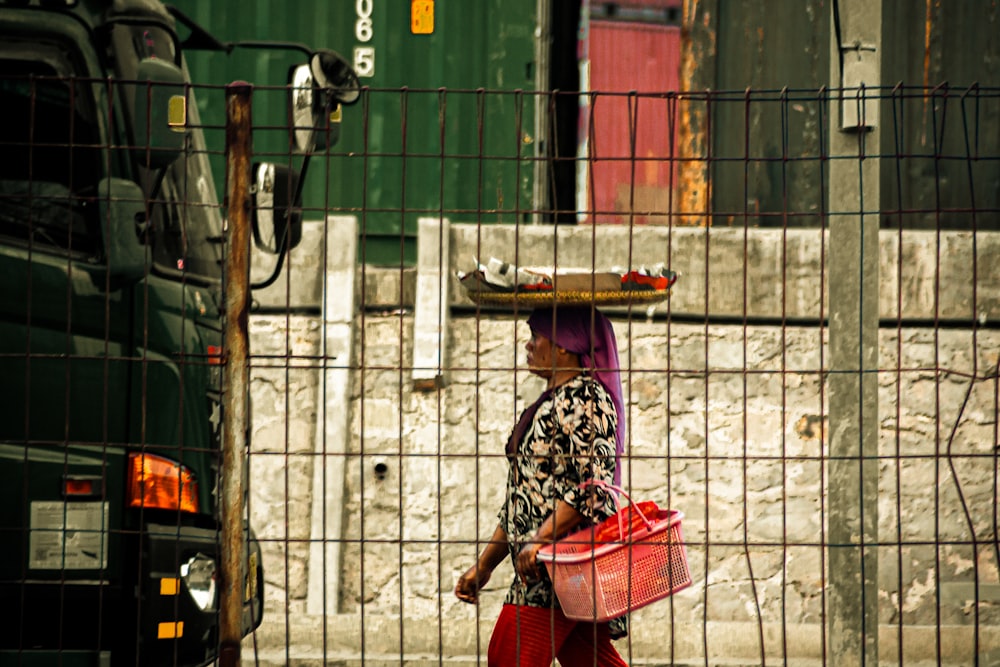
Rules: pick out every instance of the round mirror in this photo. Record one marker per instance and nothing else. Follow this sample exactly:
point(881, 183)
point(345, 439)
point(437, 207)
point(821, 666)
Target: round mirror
point(264, 223)
point(303, 118)
point(332, 73)
point(277, 219)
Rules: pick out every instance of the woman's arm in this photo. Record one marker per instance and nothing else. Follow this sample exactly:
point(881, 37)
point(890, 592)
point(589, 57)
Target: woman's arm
point(472, 581)
point(564, 519)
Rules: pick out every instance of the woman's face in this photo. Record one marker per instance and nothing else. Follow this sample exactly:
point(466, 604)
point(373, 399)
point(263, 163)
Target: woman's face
point(540, 360)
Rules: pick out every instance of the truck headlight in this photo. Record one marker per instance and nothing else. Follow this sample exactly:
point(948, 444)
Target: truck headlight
point(198, 574)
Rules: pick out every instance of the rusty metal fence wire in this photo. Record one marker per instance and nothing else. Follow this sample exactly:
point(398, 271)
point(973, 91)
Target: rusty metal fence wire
point(819, 395)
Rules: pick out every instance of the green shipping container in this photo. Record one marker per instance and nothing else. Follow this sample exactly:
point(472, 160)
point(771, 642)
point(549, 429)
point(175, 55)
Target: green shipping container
point(445, 124)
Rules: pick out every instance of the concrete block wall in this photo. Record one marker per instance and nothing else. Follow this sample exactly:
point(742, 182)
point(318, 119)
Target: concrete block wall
point(727, 423)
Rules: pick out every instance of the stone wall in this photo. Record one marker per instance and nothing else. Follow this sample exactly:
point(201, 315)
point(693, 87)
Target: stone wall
point(727, 422)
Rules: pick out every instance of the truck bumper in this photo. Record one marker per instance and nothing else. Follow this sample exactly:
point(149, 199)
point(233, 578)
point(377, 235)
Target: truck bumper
point(167, 615)
point(180, 625)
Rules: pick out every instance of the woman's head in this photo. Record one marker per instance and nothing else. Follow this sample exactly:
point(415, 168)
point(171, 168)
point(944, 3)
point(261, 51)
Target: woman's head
point(582, 331)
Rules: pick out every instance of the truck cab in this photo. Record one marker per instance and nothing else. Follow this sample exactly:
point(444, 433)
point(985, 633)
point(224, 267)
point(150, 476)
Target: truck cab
point(111, 342)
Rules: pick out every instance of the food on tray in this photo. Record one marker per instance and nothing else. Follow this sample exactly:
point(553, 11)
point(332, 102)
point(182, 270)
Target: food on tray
point(499, 276)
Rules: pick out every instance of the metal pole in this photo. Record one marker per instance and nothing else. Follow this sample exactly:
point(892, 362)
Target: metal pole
point(854, 204)
point(543, 42)
point(236, 378)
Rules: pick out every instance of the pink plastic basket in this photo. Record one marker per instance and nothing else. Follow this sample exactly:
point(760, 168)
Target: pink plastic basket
point(600, 581)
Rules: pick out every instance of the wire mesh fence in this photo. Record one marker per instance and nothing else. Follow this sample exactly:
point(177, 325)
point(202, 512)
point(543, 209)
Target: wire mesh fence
point(727, 385)
point(818, 395)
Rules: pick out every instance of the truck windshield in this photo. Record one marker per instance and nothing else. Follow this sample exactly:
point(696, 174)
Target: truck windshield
point(49, 142)
point(187, 223)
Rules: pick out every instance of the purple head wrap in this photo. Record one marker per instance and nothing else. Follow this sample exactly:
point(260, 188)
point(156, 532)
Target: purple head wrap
point(585, 331)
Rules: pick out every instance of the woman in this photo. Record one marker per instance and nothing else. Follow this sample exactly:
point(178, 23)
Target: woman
point(571, 434)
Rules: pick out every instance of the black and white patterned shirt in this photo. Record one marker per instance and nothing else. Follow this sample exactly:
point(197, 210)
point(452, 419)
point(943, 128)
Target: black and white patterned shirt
point(570, 440)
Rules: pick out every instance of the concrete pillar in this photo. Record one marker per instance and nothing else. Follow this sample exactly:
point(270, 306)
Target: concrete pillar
point(430, 315)
point(853, 218)
point(333, 418)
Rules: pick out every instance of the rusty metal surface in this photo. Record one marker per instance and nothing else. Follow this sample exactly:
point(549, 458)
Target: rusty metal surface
point(749, 151)
point(936, 64)
point(237, 371)
point(698, 56)
point(769, 50)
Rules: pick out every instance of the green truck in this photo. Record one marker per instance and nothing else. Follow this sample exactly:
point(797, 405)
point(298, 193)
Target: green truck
point(112, 327)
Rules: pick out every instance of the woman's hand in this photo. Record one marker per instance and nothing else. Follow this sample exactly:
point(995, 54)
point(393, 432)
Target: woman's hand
point(469, 584)
point(558, 523)
point(527, 562)
point(475, 578)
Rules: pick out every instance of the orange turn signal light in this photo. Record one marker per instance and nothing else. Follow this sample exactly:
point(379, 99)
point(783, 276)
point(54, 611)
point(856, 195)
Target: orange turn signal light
point(156, 482)
point(214, 355)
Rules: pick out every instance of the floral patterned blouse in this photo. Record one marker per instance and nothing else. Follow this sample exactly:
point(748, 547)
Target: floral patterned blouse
point(570, 440)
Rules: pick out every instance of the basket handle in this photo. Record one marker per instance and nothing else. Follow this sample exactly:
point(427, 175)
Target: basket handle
point(606, 485)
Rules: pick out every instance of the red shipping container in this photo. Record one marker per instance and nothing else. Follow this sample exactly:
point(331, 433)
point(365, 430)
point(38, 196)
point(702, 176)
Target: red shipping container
point(641, 57)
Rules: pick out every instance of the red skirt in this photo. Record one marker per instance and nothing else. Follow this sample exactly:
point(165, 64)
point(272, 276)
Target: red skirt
point(532, 636)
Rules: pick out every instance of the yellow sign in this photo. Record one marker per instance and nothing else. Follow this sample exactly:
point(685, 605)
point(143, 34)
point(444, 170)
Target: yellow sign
point(422, 17)
point(177, 113)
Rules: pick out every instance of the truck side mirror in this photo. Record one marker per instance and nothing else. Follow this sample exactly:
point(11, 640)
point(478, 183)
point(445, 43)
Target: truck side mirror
point(335, 76)
point(276, 219)
point(122, 210)
point(160, 107)
point(318, 89)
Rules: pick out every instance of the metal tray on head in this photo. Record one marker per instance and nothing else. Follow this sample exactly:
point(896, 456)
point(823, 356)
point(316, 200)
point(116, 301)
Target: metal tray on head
point(538, 299)
point(571, 288)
